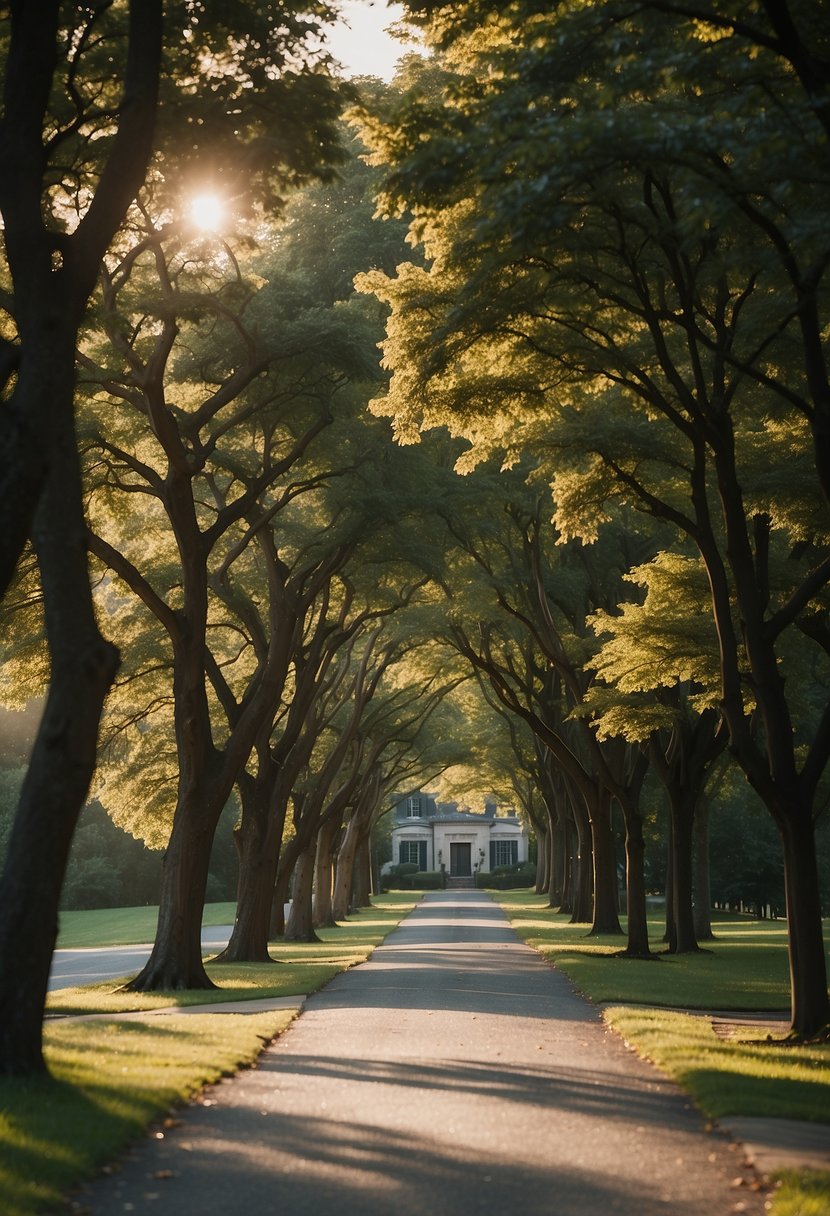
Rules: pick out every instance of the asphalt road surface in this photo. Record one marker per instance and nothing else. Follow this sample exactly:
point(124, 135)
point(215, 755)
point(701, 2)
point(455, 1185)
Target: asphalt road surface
point(454, 1074)
point(92, 964)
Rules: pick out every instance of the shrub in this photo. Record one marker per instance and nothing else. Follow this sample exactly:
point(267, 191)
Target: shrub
point(506, 878)
point(416, 880)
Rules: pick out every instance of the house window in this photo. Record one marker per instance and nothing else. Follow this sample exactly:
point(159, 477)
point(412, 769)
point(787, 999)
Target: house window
point(413, 808)
point(503, 853)
point(413, 852)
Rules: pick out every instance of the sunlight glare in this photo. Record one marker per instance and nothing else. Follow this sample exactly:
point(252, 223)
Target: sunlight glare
point(207, 212)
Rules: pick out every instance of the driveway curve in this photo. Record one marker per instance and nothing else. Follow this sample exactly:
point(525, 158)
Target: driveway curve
point(456, 1074)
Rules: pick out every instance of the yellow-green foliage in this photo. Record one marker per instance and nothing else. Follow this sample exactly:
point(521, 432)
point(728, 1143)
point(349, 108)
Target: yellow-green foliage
point(24, 659)
point(668, 638)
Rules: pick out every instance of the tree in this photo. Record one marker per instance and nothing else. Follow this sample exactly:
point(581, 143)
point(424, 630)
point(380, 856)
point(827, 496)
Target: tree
point(533, 648)
point(49, 275)
point(256, 381)
point(661, 658)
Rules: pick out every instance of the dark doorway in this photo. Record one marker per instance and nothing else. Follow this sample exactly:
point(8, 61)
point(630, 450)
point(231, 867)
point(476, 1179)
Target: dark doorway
point(460, 860)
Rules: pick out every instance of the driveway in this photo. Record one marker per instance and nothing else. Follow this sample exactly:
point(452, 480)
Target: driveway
point(454, 1074)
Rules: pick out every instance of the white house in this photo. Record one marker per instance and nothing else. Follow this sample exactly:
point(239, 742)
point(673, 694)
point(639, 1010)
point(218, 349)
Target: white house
point(435, 835)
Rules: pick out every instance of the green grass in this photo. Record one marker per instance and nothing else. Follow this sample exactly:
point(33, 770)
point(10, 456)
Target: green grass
point(803, 1193)
point(740, 1078)
point(124, 926)
point(745, 968)
point(732, 1076)
point(110, 1079)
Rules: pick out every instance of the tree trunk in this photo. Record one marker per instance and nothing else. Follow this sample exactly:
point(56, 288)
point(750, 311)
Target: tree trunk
point(606, 919)
point(702, 890)
point(300, 927)
point(289, 857)
point(363, 873)
point(344, 874)
point(60, 769)
point(542, 879)
point(324, 875)
point(258, 840)
point(279, 898)
point(176, 959)
point(635, 886)
point(808, 968)
point(554, 896)
point(569, 862)
point(670, 936)
point(682, 816)
point(584, 884)
point(204, 788)
point(558, 863)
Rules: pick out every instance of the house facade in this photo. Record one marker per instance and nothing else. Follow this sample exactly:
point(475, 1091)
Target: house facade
point(435, 835)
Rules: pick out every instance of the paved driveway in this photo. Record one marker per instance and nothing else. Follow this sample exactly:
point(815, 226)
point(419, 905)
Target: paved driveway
point(454, 1074)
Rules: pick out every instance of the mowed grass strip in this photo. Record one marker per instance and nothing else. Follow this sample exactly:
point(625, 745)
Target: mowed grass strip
point(111, 1079)
point(802, 1194)
point(744, 969)
point(298, 967)
point(739, 1077)
point(742, 1075)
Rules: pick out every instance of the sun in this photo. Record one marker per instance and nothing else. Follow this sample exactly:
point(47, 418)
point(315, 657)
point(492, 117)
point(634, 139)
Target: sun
point(207, 211)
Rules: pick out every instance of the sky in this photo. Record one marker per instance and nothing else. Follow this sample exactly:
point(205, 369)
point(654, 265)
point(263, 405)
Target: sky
point(362, 46)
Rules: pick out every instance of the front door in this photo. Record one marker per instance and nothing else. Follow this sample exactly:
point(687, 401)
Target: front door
point(460, 860)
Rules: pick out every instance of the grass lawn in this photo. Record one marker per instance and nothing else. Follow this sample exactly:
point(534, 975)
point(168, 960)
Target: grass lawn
point(125, 926)
point(744, 969)
point(111, 1079)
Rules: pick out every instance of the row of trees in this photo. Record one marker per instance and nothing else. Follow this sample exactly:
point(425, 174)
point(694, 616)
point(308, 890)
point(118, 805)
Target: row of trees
point(255, 597)
point(624, 218)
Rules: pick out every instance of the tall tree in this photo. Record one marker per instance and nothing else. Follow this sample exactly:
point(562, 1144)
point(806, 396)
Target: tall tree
point(50, 95)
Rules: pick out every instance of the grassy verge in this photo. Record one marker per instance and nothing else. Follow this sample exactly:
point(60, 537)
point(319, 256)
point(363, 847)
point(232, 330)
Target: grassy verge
point(740, 1078)
point(111, 1079)
point(744, 969)
point(733, 1076)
